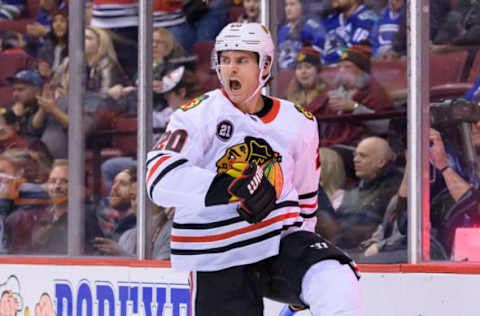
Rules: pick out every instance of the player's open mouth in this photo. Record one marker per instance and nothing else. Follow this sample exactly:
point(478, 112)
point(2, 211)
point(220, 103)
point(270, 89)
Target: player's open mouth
point(235, 85)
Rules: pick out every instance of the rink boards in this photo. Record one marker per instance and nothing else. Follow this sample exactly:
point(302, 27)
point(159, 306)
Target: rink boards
point(128, 287)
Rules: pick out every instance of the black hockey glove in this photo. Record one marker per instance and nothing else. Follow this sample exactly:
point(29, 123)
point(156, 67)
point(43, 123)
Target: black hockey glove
point(256, 194)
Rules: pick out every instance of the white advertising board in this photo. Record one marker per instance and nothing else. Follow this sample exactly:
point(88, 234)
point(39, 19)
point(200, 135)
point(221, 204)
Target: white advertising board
point(67, 290)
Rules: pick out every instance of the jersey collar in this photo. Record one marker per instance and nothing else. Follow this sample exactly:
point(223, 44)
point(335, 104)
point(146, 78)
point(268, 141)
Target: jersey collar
point(265, 117)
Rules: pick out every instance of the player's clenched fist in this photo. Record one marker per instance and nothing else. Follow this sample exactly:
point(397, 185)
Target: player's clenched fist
point(256, 194)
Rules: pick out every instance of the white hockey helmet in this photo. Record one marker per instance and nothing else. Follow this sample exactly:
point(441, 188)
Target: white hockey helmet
point(253, 37)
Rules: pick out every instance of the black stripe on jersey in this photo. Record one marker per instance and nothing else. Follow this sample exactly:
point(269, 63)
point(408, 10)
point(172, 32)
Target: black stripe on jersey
point(308, 195)
point(226, 222)
point(155, 157)
point(165, 171)
point(296, 224)
point(308, 215)
point(285, 204)
point(239, 244)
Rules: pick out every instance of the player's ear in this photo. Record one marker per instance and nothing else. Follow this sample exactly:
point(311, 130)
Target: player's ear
point(267, 68)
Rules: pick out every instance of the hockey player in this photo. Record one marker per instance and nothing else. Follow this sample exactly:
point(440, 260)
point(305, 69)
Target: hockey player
point(242, 170)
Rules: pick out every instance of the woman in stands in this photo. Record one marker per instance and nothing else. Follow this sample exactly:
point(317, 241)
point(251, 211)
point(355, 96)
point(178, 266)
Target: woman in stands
point(103, 69)
point(55, 46)
point(307, 88)
point(251, 11)
point(167, 53)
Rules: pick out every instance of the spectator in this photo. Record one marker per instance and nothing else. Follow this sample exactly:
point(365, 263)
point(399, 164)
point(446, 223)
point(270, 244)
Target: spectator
point(103, 69)
point(350, 23)
point(308, 85)
point(462, 26)
point(388, 238)
point(356, 92)
point(120, 17)
point(23, 200)
point(13, 42)
point(27, 85)
point(389, 242)
point(385, 30)
point(333, 178)
point(251, 11)
point(55, 47)
point(42, 25)
point(11, 9)
point(203, 22)
point(363, 205)
point(166, 51)
point(472, 94)
point(439, 10)
point(121, 200)
point(54, 116)
point(295, 32)
point(127, 244)
point(333, 181)
point(9, 137)
point(52, 238)
point(178, 87)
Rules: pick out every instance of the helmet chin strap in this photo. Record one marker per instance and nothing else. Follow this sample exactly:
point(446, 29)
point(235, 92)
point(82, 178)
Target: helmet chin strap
point(261, 82)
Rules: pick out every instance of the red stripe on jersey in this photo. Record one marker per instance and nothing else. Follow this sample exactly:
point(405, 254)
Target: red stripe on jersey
point(308, 205)
point(272, 114)
point(156, 165)
point(233, 233)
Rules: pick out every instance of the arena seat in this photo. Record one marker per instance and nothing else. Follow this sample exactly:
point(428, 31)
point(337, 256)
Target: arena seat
point(447, 68)
point(11, 63)
point(124, 136)
point(392, 75)
point(283, 79)
point(234, 12)
point(5, 95)
point(203, 50)
point(32, 8)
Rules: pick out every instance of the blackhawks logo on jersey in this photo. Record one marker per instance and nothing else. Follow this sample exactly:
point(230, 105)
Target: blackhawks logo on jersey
point(258, 151)
point(307, 114)
point(193, 103)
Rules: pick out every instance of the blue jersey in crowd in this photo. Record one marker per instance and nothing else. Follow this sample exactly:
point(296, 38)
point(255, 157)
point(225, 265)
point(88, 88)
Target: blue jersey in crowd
point(384, 31)
point(11, 9)
point(342, 33)
point(472, 94)
point(289, 44)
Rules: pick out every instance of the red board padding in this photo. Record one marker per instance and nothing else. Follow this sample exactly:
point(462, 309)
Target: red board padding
point(467, 244)
point(446, 267)
point(87, 262)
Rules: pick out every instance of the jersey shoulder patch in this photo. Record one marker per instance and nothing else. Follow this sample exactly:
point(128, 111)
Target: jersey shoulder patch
point(194, 102)
point(305, 113)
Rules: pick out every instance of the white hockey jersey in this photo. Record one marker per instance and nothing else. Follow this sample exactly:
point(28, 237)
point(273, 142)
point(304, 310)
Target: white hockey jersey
point(200, 139)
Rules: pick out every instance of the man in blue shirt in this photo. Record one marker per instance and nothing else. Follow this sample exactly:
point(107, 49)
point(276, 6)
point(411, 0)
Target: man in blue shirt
point(386, 28)
point(351, 23)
